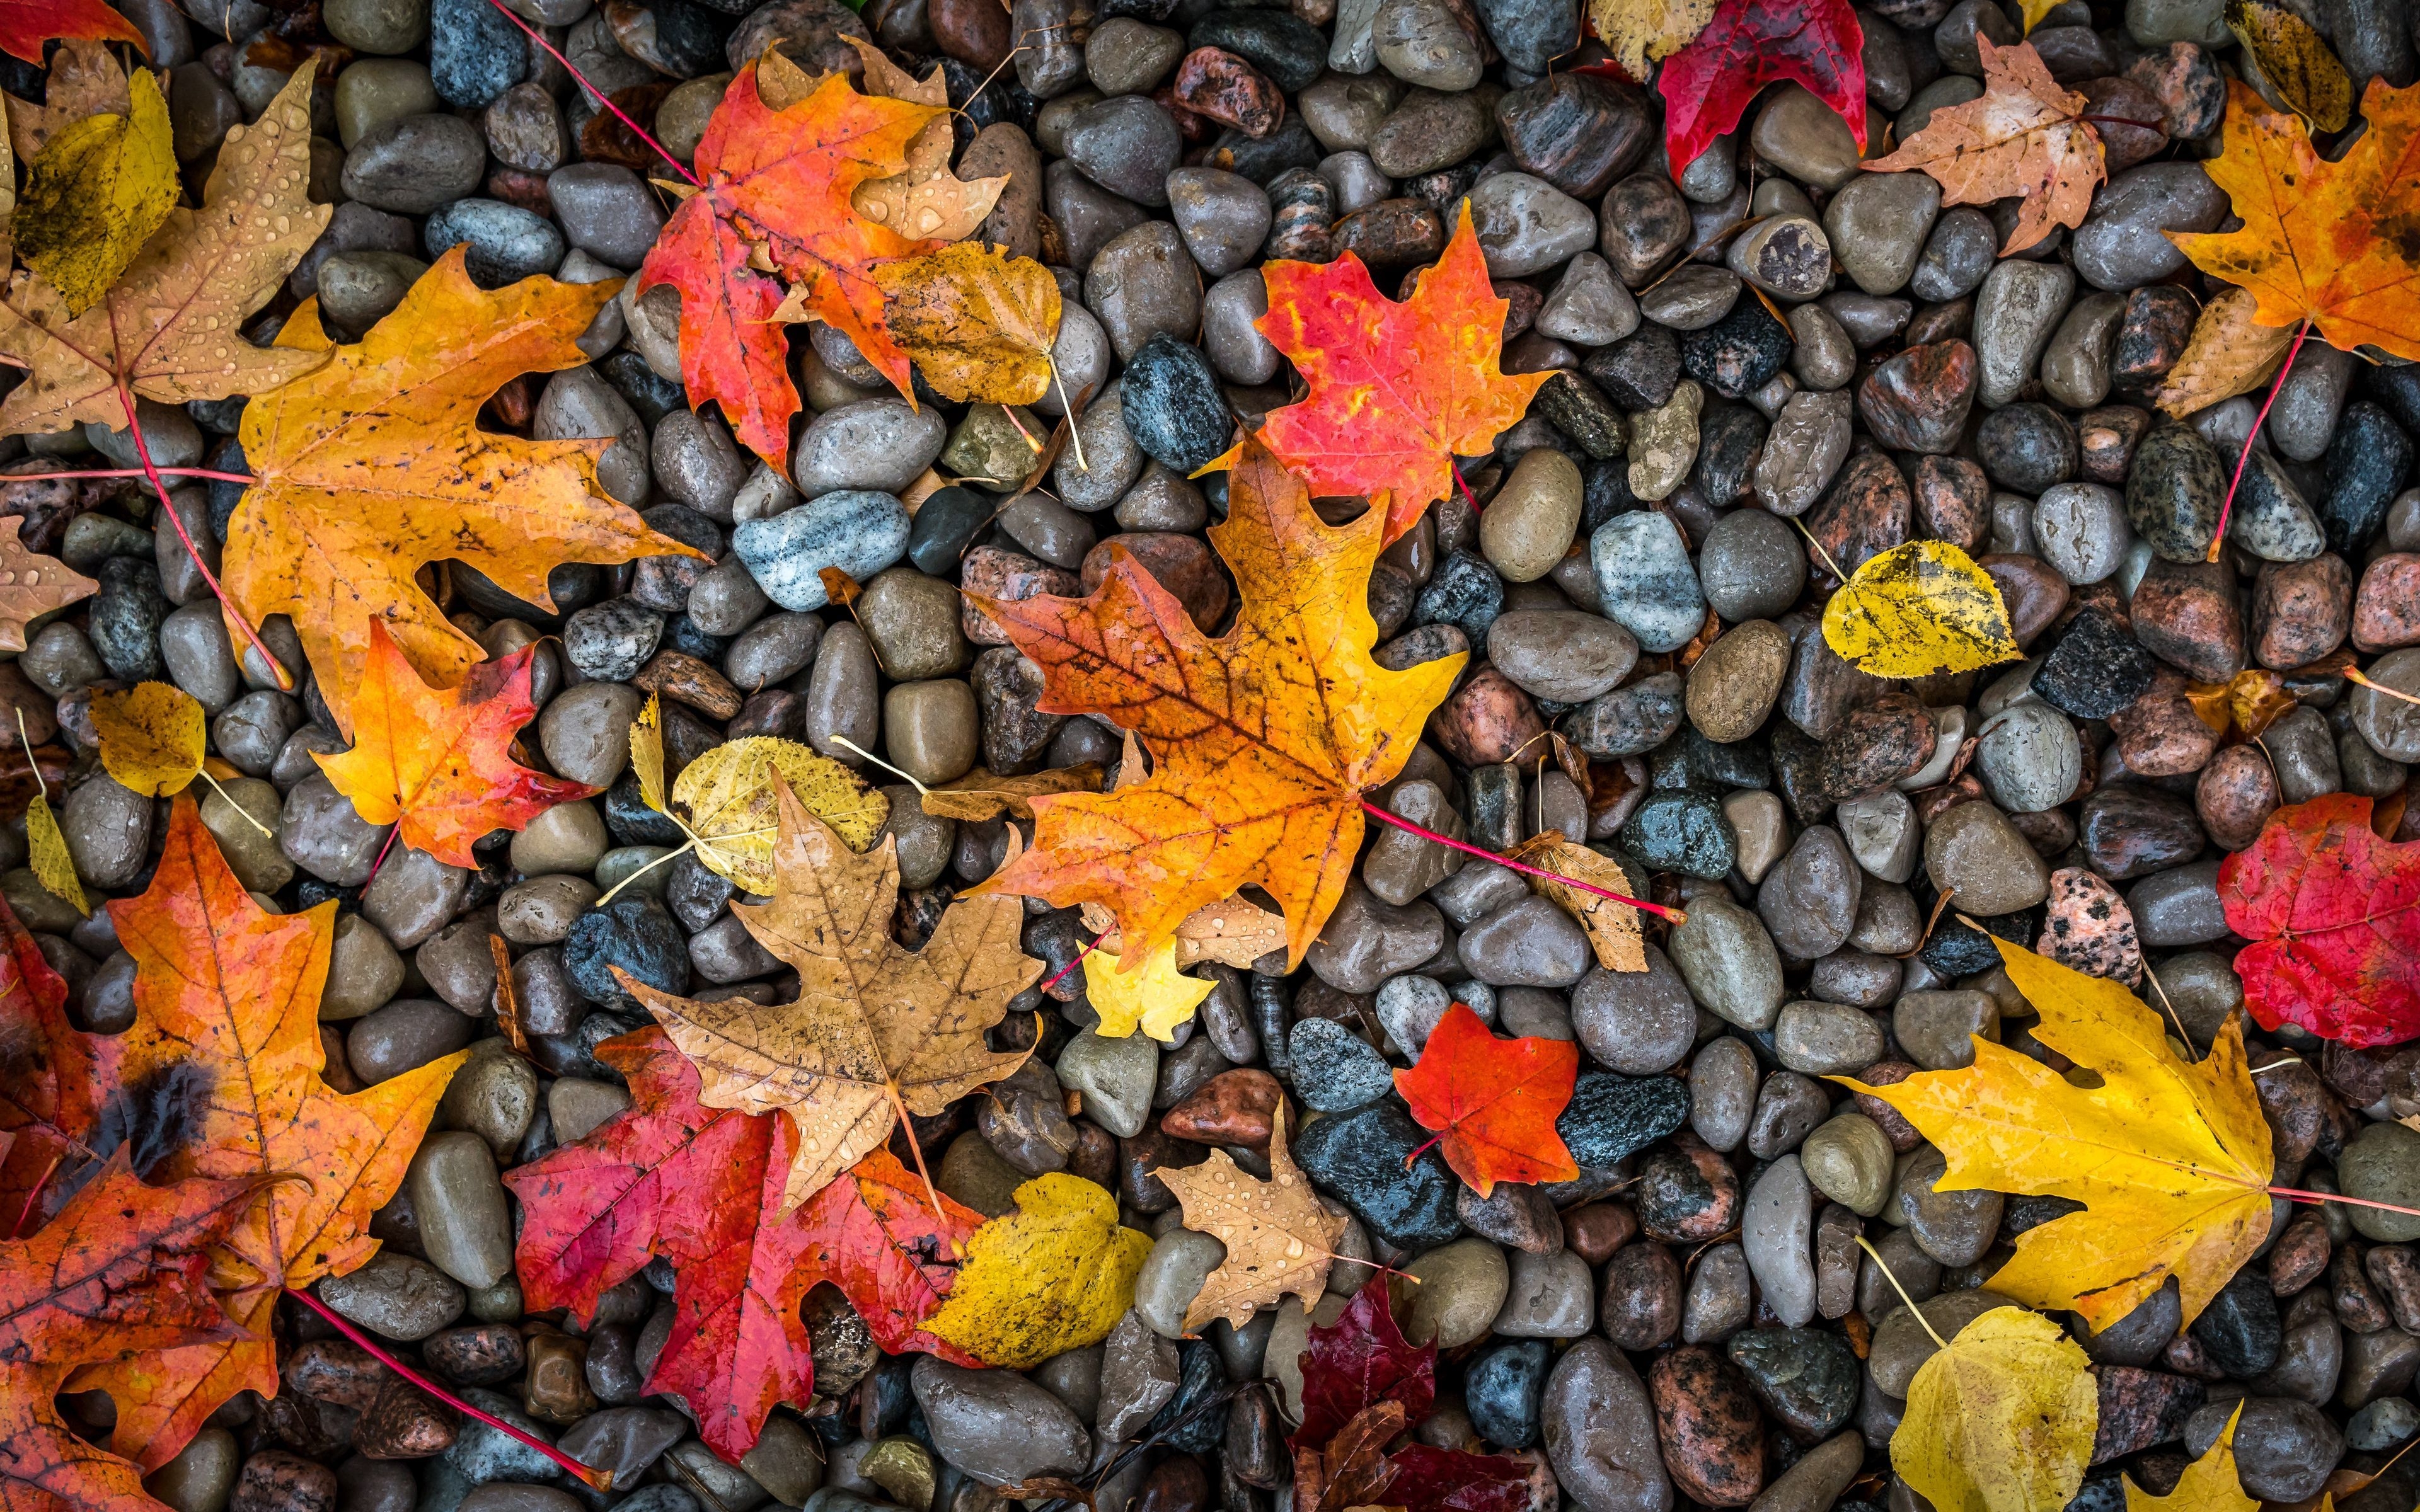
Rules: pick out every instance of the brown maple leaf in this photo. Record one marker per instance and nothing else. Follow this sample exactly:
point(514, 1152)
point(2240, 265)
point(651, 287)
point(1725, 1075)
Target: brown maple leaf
point(32, 585)
point(169, 329)
point(1281, 1239)
point(2025, 137)
point(878, 1032)
point(84, 79)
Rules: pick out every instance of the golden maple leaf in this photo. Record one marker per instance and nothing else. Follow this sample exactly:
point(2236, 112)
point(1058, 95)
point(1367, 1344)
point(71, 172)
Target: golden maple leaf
point(1281, 1239)
point(375, 464)
point(168, 330)
point(2209, 1484)
point(2170, 1158)
point(1155, 1000)
point(228, 995)
point(2026, 137)
point(2338, 243)
point(877, 1032)
point(979, 323)
point(1261, 740)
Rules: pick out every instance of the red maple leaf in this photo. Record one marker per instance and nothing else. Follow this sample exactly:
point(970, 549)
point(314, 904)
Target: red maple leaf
point(1749, 44)
point(1493, 1102)
point(1453, 1480)
point(26, 24)
point(53, 1078)
point(703, 1187)
point(780, 180)
point(2334, 915)
point(1359, 1360)
point(1396, 390)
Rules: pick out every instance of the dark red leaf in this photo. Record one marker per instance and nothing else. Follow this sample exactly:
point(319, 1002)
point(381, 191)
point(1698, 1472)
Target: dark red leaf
point(1749, 44)
point(1359, 1360)
point(1449, 1480)
point(53, 1078)
point(2334, 915)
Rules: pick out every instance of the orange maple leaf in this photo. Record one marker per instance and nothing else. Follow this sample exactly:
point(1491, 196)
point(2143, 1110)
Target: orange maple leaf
point(372, 464)
point(434, 759)
point(55, 1079)
point(2336, 244)
point(228, 994)
point(1396, 390)
point(1262, 741)
point(780, 180)
point(120, 1270)
point(2024, 137)
point(1493, 1102)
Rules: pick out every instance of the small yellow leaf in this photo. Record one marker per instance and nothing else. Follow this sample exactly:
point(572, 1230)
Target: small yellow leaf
point(1919, 609)
point(729, 794)
point(53, 866)
point(2035, 10)
point(1054, 1276)
point(151, 737)
point(96, 195)
point(2002, 1420)
point(647, 752)
point(2208, 1485)
point(979, 323)
point(979, 795)
point(2304, 75)
point(1638, 31)
point(1157, 998)
point(2230, 352)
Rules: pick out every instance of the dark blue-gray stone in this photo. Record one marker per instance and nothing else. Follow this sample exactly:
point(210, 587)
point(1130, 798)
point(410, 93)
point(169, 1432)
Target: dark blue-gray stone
point(1503, 1391)
point(609, 643)
point(2368, 464)
point(1613, 1118)
point(1684, 832)
point(634, 933)
point(632, 823)
point(1957, 948)
point(1358, 1158)
point(652, 396)
point(1334, 1070)
point(1738, 354)
point(1464, 592)
point(1531, 33)
point(1173, 407)
point(475, 54)
point(125, 620)
point(950, 518)
point(505, 242)
point(1628, 721)
point(1805, 1377)
point(1200, 1377)
point(2241, 1329)
point(1291, 51)
point(2097, 669)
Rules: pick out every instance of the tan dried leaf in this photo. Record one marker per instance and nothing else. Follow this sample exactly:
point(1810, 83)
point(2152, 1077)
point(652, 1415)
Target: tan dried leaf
point(2230, 352)
point(169, 330)
point(1639, 31)
point(2025, 137)
point(876, 1033)
point(1281, 1239)
point(31, 585)
point(1612, 928)
point(979, 795)
point(85, 80)
point(1231, 932)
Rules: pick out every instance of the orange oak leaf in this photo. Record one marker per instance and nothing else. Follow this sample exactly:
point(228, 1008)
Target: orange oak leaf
point(53, 1081)
point(1261, 740)
point(703, 1187)
point(26, 24)
point(781, 180)
point(226, 1001)
point(1493, 1102)
point(2336, 244)
point(435, 760)
point(121, 1271)
point(1396, 390)
point(2024, 137)
point(374, 464)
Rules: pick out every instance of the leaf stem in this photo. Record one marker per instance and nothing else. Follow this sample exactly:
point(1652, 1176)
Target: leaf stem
point(1464, 484)
point(589, 1474)
point(602, 98)
point(851, 745)
point(2353, 674)
point(151, 471)
point(237, 807)
point(210, 475)
point(695, 843)
point(1674, 915)
point(389, 844)
point(1086, 949)
point(2227, 507)
point(1074, 436)
point(1884, 1267)
point(2295, 1194)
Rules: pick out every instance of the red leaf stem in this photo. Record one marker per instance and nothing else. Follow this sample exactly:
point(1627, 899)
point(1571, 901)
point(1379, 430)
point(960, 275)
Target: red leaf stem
point(1675, 915)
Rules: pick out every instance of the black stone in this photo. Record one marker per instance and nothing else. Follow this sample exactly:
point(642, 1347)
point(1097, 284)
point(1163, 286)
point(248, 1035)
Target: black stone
point(2241, 1329)
point(125, 621)
point(1358, 1158)
point(632, 823)
point(652, 396)
point(1291, 51)
point(1639, 371)
point(1957, 948)
point(1605, 493)
point(1689, 763)
point(681, 634)
point(1581, 411)
point(2097, 669)
point(1504, 1390)
point(1805, 1377)
point(950, 520)
point(2367, 465)
point(695, 895)
point(2026, 447)
point(1263, 158)
point(1200, 1377)
point(634, 933)
point(1466, 592)
point(1730, 442)
point(1612, 1118)
point(1684, 832)
point(1628, 721)
point(1173, 404)
point(1738, 354)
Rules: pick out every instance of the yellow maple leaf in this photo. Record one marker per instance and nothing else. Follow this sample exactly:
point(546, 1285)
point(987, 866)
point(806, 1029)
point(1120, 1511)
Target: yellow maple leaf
point(2170, 1158)
point(1054, 1276)
point(2000, 1419)
point(1155, 999)
point(2208, 1485)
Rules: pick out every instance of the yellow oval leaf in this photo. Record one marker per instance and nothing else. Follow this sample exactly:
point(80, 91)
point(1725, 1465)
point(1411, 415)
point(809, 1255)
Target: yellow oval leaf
point(979, 323)
point(1917, 610)
point(2001, 1420)
point(2303, 74)
point(151, 737)
point(53, 867)
point(1155, 998)
point(96, 195)
point(1054, 1276)
point(734, 813)
point(2230, 352)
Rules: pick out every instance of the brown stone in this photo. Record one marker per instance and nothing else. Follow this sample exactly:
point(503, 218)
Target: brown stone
point(1301, 205)
point(1146, 1152)
point(2300, 611)
point(1180, 564)
point(2395, 1274)
point(2132, 124)
point(1487, 720)
point(2185, 614)
point(516, 187)
point(1596, 1231)
point(1865, 512)
point(275, 1481)
point(1878, 743)
point(2237, 794)
point(332, 1370)
point(2152, 335)
point(2141, 1408)
point(682, 677)
point(1177, 1484)
point(2089, 928)
point(1234, 1107)
point(2354, 1296)
point(2105, 441)
point(975, 32)
point(557, 1388)
point(1953, 501)
point(1393, 233)
point(1008, 576)
point(2032, 589)
point(1952, 320)
point(1522, 302)
point(774, 711)
point(2301, 1255)
point(2128, 832)
point(2159, 734)
point(475, 1355)
point(1215, 82)
point(405, 1423)
point(1917, 401)
point(1687, 1193)
point(2386, 611)
point(1712, 1441)
point(1903, 1137)
point(1641, 1306)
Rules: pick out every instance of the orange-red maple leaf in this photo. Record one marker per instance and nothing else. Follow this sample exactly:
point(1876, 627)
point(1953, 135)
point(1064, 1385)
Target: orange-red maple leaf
point(703, 1187)
point(1493, 1102)
point(26, 24)
point(227, 994)
point(1396, 390)
point(435, 760)
point(780, 180)
point(2338, 243)
point(119, 1271)
point(53, 1079)
point(1261, 740)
